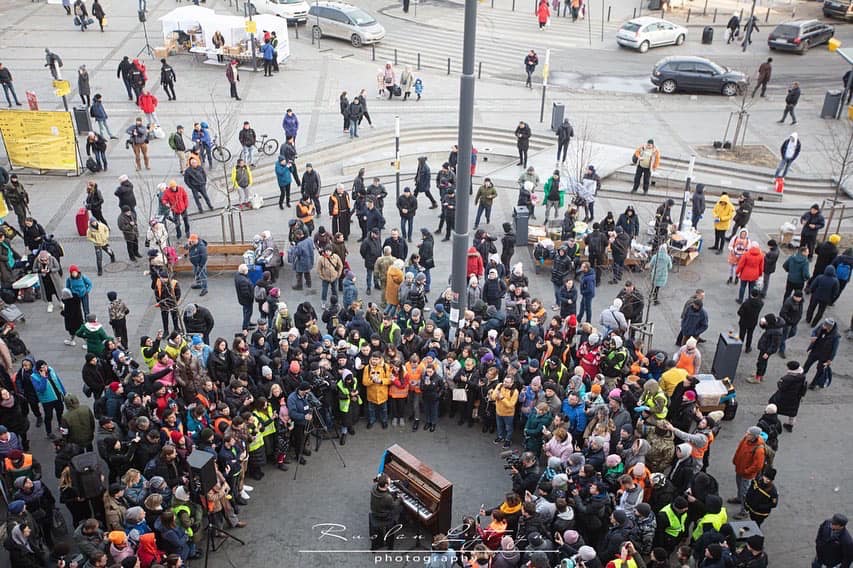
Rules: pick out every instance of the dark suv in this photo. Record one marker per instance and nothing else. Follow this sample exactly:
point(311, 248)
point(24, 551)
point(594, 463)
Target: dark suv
point(800, 35)
point(696, 74)
point(838, 9)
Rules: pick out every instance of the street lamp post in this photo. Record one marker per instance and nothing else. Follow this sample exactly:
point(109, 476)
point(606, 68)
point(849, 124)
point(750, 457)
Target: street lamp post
point(459, 280)
point(686, 196)
point(397, 152)
point(249, 9)
point(545, 71)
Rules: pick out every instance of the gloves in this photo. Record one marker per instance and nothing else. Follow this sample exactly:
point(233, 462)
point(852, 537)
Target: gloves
point(641, 409)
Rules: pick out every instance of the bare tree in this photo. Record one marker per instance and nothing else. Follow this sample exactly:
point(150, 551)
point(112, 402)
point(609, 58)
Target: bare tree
point(837, 146)
point(582, 151)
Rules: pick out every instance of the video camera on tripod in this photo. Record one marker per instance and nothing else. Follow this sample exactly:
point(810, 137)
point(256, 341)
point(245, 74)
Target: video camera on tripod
point(512, 459)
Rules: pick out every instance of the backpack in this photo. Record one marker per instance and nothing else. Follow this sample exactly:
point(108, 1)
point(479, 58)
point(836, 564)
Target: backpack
point(842, 272)
point(172, 143)
point(260, 293)
point(88, 477)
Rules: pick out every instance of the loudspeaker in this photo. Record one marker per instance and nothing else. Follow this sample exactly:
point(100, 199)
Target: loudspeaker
point(726, 357)
point(141, 14)
point(203, 471)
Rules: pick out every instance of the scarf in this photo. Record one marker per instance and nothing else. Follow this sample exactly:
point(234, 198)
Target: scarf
point(9, 402)
point(509, 510)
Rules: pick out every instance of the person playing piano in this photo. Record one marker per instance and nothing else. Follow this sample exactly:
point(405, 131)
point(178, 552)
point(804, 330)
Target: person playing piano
point(385, 507)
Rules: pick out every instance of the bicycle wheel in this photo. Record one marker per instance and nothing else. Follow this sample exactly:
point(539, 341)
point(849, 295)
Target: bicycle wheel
point(270, 147)
point(221, 154)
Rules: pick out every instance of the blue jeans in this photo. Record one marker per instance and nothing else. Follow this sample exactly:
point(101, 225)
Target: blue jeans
point(85, 301)
point(373, 409)
point(353, 128)
point(102, 125)
point(428, 281)
point(766, 285)
point(200, 276)
point(483, 209)
point(505, 427)
point(404, 223)
point(325, 289)
point(205, 150)
point(586, 308)
point(9, 87)
point(788, 332)
point(371, 277)
point(431, 411)
point(743, 286)
point(557, 288)
point(742, 487)
point(247, 315)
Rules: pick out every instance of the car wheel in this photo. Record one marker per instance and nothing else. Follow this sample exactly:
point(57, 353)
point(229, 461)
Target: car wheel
point(644, 47)
point(668, 86)
point(804, 47)
point(355, 40)
point(730, 89)
point(679, 40)
point(315, 31)
point(771, 48)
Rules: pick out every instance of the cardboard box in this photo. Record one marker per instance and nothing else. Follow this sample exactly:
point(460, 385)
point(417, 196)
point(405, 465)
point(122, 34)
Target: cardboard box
point(161, 52)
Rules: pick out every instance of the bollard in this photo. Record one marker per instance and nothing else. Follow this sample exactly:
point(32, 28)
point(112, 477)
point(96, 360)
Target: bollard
point(767, 17)
point(794, 13)
point(688, 15)
point(479, 69)
point(419, 61)
point(448, 66)
point(705, 9)
point(608, 13)
point(715, 16)
point(373, 50)
point(297, 30)
point(635, 13)
point(741, 15)
point(513, 5)
point(493, 3)
point(395, 56)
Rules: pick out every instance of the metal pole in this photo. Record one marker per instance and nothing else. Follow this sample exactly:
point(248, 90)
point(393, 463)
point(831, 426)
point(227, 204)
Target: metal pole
point(395, 56)
point(748, 37)
point(459, 282)
point(608, 13)
point(57, 74)
point(545, 71)
point(688, 15)
point(317, 10)
point(705, 9)
point(589, 24)
point(686, 196)
point(479, 70)
point(373, 51)
point(448, 66)
point(714, 21)
point(397, 152)
point(513, 5)
point(767, 16)
point(251, 38)
point(419, 61)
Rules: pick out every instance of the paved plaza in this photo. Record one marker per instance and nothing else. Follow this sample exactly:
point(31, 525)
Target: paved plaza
point(603, 88)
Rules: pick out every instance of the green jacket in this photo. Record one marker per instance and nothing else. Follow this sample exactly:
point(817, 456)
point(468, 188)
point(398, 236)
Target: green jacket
point(79, 421)
point(94, 334)
point(533, 430)
point(486, 195)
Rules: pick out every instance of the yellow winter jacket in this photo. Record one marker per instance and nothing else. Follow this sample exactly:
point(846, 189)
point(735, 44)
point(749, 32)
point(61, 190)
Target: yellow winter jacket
point(100, 236)
point(505, 406)
point(377, 392)
point(724, 211)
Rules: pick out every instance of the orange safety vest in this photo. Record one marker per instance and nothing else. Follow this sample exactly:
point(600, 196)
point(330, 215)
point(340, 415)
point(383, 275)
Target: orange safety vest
point(699, 453)
point(217, 422)
point(9, 467)
point(687, 363)
point(304, 213)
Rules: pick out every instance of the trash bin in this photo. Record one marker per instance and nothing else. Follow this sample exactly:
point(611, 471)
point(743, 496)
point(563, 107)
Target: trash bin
point(558, 111)
point(82, 120)
point(708, 35)
point(831, 102)
point(520, 216)
point(654, 4)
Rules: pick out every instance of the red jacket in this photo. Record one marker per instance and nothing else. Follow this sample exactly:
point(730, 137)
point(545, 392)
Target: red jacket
point(475, 263)
point(148, 103)
point(176, 200)
point(543, 12)
point(750, 267)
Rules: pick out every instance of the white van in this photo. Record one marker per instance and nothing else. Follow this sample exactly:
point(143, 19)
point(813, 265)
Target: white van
point(295, 11)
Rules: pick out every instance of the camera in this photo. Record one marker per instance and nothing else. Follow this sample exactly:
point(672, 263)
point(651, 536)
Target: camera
point(512, 459)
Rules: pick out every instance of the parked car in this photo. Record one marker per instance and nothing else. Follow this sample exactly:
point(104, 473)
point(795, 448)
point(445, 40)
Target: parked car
point(295, 11)
point(838, 9)
point(800, 35)
point(345, 21)
point(696, 74)
point(643, 33)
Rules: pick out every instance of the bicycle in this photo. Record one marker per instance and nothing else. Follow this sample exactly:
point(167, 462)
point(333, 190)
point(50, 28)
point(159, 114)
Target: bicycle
point(220, 153)
point(266, 145)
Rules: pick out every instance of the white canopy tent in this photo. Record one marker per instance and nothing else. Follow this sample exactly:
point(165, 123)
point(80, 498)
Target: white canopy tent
point(270, 23)
point(185, 18)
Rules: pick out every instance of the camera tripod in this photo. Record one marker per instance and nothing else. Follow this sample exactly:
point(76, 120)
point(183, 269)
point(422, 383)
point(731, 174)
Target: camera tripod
point(147, 47)
point(212, 531)
point(319, 429)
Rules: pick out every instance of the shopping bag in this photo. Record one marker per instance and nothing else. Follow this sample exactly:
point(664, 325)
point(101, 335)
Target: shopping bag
point(460, 395)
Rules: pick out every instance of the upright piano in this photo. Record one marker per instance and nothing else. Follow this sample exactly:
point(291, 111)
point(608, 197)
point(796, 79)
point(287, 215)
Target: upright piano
point(425, 493)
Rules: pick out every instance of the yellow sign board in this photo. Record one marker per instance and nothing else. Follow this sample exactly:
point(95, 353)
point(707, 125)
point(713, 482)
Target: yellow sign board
point(251, 27)
point(61, 87)
point(43, 140)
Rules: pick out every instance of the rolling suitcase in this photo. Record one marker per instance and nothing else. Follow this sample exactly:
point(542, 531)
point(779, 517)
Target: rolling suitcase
point(82, 220)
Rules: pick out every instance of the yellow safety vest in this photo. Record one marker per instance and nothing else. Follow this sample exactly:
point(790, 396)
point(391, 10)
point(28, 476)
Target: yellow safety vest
point(266, 417)
point(177, 510)
point(676, 523)
point(630, 563)
point(257, 440)
point(716, 519)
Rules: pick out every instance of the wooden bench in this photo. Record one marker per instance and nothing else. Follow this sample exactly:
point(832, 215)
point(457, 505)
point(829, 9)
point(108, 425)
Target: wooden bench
point(221, 257)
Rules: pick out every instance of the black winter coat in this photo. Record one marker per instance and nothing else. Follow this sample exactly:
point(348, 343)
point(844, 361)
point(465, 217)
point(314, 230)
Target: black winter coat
point(771, 339)
point(244, 289)
point(125, 195)
point(311, 183)
point(750, 311)
point(425, 250)
point(371, 250)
